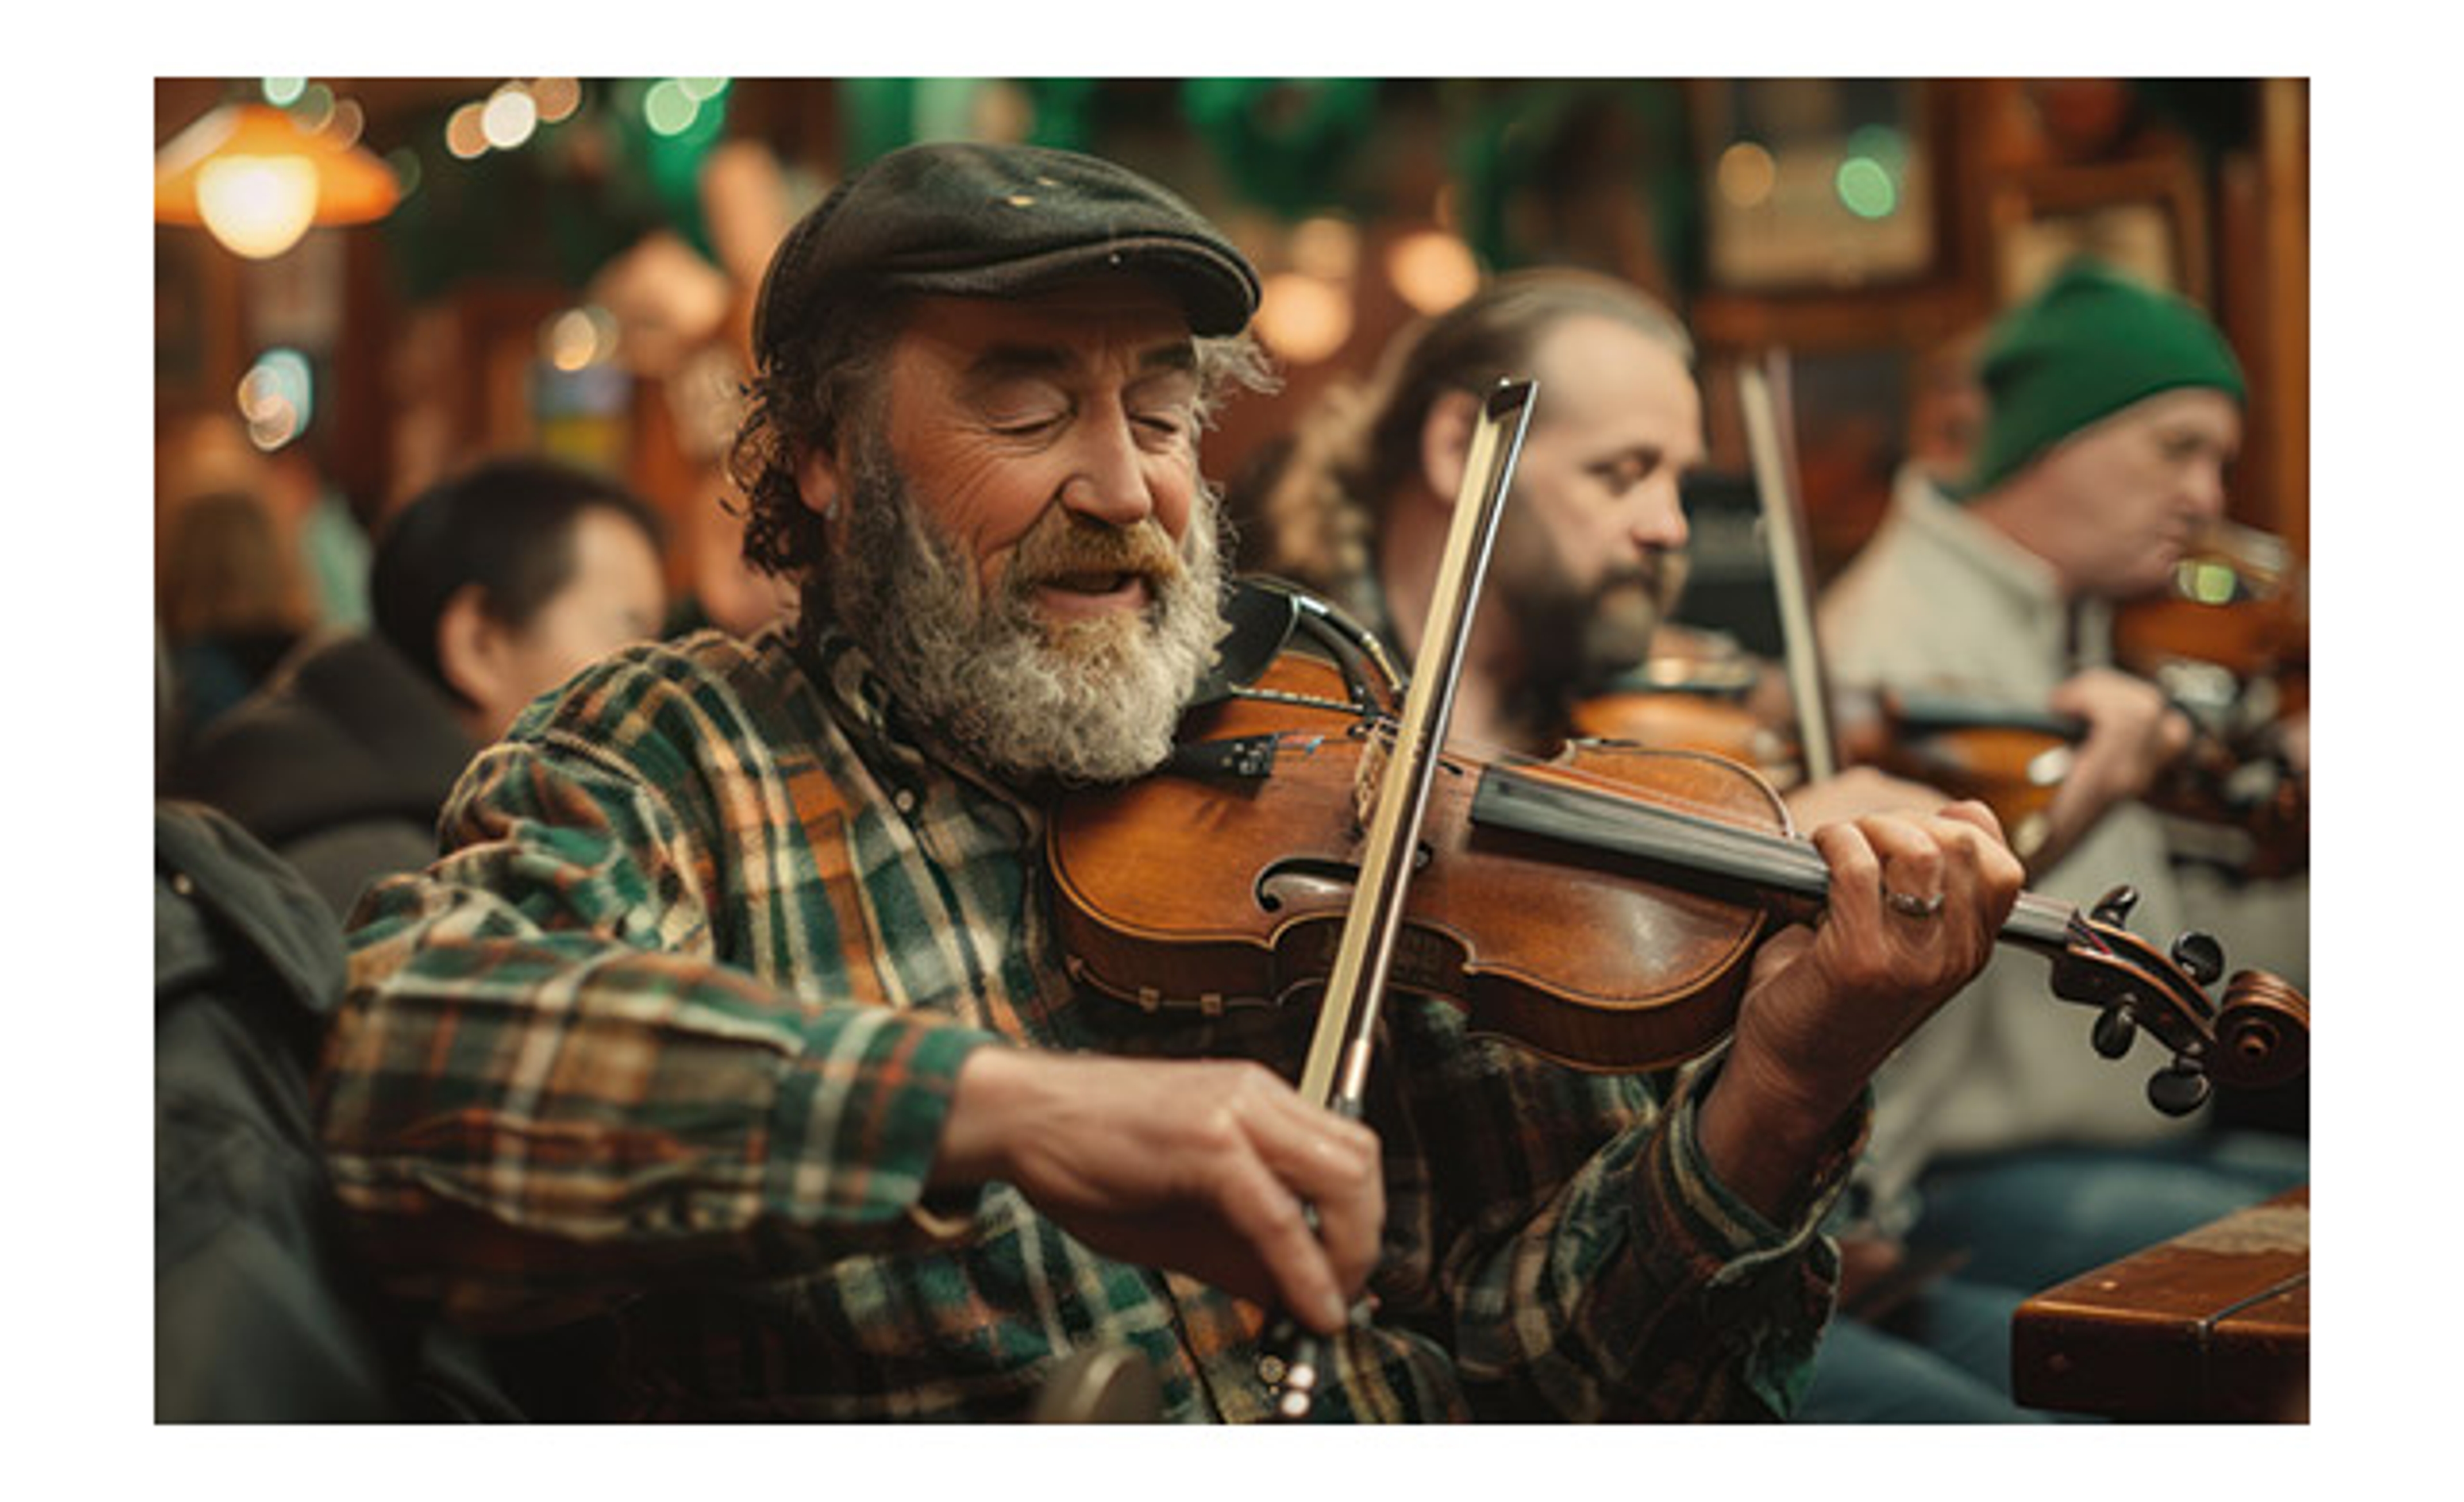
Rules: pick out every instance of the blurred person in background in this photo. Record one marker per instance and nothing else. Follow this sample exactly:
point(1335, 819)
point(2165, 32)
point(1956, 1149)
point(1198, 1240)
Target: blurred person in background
point(233, 603)
point(2112, 414)
point(486, 590)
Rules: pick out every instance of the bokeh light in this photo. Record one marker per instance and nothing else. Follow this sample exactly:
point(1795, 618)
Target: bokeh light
point(1866, 188)
point(408, 172)
point(669, 109)
point(1432, 270)
point(509, 117)
point(1326, 248)
point(1747, 175)
point(276, 398)
point(1303, 319)
point(314, 109)
point(466, 136)
point(557, 98)
point(579, 338)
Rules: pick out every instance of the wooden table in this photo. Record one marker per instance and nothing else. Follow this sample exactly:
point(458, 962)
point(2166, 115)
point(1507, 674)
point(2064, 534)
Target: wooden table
point(2211, 1325)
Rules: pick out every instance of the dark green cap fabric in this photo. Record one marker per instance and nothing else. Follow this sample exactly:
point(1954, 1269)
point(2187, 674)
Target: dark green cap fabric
point(2090, 344)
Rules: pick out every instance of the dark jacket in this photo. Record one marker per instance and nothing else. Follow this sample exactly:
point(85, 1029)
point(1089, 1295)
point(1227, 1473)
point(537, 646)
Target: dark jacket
point(259, 1314)
point(340, 764)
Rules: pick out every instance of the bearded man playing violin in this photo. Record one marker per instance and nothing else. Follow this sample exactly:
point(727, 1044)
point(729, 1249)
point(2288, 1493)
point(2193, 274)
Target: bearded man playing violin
point(726, 1064)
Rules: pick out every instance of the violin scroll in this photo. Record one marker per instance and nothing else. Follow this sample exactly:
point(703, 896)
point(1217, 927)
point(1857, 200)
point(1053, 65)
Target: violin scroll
point(2263, 1032)
point(2258, 1036)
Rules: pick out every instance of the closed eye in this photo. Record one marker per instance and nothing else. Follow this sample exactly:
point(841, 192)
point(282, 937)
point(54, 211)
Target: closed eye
point(1628, 470)
point(1028, 427)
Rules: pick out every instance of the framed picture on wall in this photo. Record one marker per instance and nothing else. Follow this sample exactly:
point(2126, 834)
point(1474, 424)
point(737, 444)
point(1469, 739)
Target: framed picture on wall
point(1818, 184)
point(2145, 218)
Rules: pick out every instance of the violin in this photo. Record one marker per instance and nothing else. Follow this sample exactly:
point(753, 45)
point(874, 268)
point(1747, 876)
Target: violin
point(1690, 701)
point(2231, 645)
point(2008, 758)
point(1519, 871)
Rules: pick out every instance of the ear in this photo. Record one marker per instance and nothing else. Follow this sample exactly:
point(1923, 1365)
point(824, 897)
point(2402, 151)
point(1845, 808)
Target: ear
point(1445, 442)
point(470, 649)
point(817, 481)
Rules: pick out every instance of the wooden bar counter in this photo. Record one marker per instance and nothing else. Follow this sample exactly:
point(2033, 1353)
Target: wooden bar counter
point(2214, 1325)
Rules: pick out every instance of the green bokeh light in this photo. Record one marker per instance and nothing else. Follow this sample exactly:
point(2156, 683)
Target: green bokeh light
point(668, 107)
point(1865, 186)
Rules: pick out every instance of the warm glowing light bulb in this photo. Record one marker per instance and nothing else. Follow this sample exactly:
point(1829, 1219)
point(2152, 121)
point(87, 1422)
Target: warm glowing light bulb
point(259, 206)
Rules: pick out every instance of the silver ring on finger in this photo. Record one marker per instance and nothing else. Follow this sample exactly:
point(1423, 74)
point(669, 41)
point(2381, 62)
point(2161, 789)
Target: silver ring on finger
point(1907, 905)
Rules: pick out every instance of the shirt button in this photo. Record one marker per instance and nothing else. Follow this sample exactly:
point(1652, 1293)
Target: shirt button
point(181, 884)
point(905, 799)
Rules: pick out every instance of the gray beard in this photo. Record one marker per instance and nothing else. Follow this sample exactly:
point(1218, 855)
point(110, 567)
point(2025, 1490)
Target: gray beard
point(1085, 701)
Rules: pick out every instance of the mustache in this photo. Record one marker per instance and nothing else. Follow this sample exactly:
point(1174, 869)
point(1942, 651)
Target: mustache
point(1063, 542)
point(1662, 575)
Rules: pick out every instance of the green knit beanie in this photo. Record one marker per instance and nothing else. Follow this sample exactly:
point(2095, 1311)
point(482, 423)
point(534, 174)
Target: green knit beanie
point(2090, 344)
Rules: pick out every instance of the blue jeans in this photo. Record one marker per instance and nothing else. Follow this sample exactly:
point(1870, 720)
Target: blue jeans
point(1943, 1359)
point(2030, 1219)
point(2020, 1223)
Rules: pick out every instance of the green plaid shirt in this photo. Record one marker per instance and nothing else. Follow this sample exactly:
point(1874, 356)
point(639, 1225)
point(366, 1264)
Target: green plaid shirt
point(660, 1052)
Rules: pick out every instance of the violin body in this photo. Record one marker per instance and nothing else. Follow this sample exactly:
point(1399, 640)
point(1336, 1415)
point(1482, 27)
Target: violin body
point(1600, 909)
point(1680, 720)
point(2011, 763)
point(2231, 643)
point(1571, 955)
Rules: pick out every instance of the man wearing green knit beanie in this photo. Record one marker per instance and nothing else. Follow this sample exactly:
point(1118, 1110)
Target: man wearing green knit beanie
point(2091, 345)
point(2113, 409)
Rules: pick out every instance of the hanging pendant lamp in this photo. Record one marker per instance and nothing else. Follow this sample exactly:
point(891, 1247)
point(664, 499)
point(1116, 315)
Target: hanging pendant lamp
point(256, 179)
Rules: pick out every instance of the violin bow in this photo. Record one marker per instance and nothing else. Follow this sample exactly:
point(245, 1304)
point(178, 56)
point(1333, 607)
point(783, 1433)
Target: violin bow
point(1761, 398)
point(1336, 1073)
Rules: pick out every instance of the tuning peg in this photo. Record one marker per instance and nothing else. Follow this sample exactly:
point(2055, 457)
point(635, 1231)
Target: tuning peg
point(2178, 1089)
point(2115, 906)
point(2114, 1032)
point(2200, 956)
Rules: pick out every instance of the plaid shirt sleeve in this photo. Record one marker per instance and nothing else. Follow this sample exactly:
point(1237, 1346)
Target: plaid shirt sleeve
point(1581, 1258)
point(544, 1087)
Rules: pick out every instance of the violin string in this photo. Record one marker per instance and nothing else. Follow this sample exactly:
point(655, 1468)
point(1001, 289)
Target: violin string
point(1688, 831)
point(1719, 817)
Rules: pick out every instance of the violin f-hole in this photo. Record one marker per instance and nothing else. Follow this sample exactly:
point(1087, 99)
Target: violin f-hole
point(1301, 869)
point(1315, 868)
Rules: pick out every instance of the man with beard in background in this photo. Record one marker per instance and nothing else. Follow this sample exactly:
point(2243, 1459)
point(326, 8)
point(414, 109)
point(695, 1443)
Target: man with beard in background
point(1588, 566)
point(1591, 551)
point(727, 1064)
